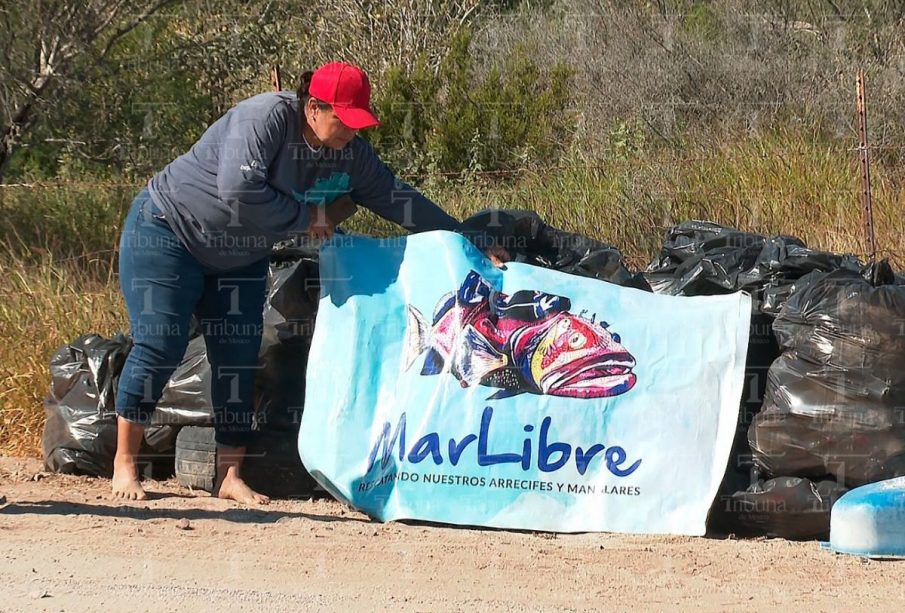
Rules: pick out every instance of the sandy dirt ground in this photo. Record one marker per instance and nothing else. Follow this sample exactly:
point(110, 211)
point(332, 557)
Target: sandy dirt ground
point(65, 546)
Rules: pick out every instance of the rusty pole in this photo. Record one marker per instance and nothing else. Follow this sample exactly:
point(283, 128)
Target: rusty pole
point(864, 155)
point(276, 81)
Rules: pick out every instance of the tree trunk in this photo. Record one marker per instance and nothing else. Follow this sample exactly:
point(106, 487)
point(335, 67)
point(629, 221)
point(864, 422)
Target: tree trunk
point(10, 136)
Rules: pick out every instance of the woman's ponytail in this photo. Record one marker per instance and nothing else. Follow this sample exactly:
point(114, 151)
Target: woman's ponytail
point(304, 83)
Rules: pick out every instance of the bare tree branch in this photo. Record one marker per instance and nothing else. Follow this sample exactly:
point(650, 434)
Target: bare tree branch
point(112, 14)
point(135, 22)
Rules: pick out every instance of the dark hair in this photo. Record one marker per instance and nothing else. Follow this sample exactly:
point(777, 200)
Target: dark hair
point(303, 95)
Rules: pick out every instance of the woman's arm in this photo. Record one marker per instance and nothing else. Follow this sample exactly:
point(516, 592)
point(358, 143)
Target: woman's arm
point(377, 188)
point(249, 146)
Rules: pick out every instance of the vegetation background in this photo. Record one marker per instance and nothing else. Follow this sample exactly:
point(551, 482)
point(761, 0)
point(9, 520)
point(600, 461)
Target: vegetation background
point(611, 118)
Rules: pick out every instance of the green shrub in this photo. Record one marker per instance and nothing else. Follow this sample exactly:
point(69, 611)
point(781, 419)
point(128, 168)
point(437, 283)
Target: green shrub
point(458, 120)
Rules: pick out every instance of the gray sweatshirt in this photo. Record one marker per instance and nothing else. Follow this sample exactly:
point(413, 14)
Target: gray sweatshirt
point(248, 180)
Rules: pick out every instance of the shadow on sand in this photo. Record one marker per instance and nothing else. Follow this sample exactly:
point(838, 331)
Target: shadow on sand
point(239, 515)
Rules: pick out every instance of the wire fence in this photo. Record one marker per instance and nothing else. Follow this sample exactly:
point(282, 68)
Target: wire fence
point(597, 162)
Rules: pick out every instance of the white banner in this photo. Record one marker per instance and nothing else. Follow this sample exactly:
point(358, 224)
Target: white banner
point(441, 388)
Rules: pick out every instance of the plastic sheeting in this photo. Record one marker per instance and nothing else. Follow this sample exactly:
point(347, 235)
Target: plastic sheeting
point(834, 400)
point(542, 356)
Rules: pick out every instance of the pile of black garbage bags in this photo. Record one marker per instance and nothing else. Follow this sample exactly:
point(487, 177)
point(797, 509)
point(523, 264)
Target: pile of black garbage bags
point(824, 397)
point(823, 409)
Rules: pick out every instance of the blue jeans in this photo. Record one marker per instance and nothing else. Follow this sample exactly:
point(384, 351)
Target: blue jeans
point(163, 285)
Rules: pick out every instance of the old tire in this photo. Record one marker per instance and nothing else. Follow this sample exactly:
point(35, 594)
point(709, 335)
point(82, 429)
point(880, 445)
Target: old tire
point(196, 458)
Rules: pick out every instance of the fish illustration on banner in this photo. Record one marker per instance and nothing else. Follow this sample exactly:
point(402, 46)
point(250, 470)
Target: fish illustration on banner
point(527, 342)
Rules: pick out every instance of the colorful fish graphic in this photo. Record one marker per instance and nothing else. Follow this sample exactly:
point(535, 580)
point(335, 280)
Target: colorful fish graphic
point(526, 342)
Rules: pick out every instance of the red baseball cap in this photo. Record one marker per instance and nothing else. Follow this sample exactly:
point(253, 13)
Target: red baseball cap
point(346, 88)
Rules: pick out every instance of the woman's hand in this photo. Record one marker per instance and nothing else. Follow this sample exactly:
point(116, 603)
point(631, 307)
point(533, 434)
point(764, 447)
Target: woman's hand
point(324, 219)
point(497, 255)
point(320, 226)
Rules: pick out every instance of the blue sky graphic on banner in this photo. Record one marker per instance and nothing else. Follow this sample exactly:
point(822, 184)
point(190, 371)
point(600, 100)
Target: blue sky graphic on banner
point(441, 388)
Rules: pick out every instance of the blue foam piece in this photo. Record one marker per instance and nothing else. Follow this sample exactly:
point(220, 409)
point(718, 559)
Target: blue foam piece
point(870, 520)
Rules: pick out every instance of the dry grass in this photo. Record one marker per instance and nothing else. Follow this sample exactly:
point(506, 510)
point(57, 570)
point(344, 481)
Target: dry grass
point(42, 306)
point(787, 184)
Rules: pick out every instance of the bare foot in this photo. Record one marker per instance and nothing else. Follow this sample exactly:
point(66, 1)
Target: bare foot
point(232, 487)
point(125, 479)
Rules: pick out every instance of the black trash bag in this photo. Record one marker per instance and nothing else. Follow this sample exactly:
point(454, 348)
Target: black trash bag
point(186, 398)
point(289, 317)
point(80, 428)
point(529, 239)
point(835, 399)
point(762, 351)
point(294, 283)
point(784, 507)
point(701, 258)
point(273, 466)
point(280, 385)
